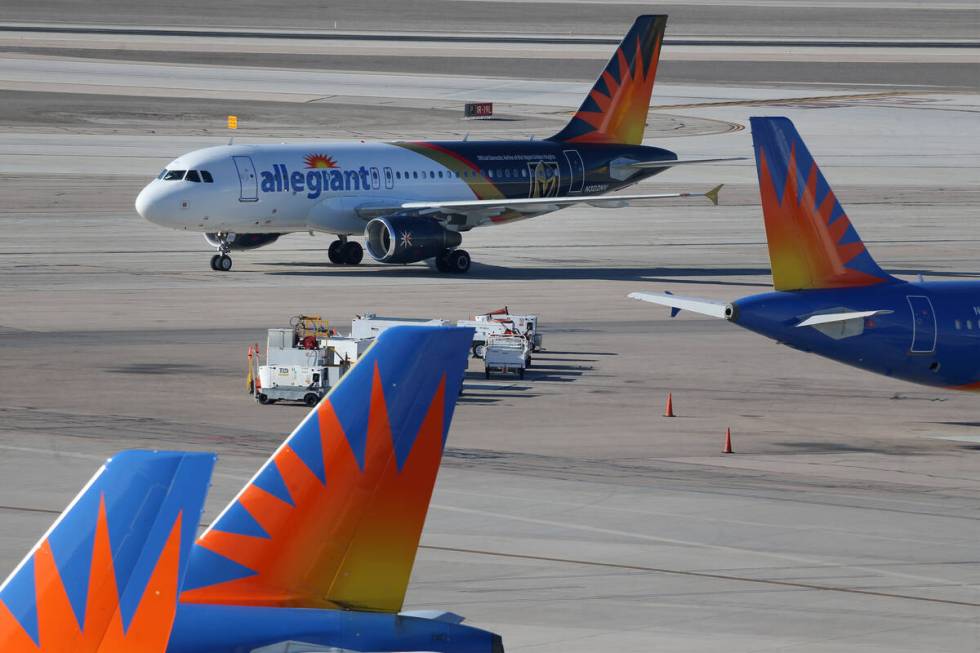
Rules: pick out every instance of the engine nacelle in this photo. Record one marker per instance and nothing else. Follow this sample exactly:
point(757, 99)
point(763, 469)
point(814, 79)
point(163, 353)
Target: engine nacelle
point(242, 241)
point(408, 239)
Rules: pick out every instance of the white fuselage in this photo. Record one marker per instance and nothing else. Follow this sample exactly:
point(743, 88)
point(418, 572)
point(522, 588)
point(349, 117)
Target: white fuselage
point(333, 187)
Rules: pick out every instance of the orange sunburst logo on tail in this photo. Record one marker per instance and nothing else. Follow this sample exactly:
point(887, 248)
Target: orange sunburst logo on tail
point(808, 247)
point(616, 108)
point(320, 161)
point(347, 543)
point(102, 630)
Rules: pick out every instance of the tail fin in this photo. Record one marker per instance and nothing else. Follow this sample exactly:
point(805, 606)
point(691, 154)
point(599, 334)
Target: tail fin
point(812, 244)
point(334, 518)
point(106, 576)
point(615, 110)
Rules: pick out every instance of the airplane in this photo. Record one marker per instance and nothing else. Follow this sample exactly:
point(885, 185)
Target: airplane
point(830, 296)
point(106, 576)
point(414, 200)
point(313, 554)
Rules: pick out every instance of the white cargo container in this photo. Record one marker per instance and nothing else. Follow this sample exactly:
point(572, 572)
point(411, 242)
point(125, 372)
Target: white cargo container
point(371, 325)
point(524, 324)
point(507, 354)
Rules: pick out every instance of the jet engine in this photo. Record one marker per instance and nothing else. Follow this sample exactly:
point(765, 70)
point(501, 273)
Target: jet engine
point(408, 239)
point(241, 241)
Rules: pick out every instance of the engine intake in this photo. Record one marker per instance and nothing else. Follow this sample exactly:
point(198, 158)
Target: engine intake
point(242, 241)
point(408, 239)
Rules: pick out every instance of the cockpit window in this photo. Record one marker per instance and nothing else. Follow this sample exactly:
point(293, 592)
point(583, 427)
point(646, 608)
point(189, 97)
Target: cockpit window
point(174, 175)
point(162, 173)
point(193, 176)
point(206, 177)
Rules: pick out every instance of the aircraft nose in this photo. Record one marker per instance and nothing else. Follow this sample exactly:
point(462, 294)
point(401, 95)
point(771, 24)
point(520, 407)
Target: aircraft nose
point(148, 203)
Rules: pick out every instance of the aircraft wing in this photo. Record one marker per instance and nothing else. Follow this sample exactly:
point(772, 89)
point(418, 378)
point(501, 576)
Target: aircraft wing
point(676, 303)
point(537, 204)
point(827, 318)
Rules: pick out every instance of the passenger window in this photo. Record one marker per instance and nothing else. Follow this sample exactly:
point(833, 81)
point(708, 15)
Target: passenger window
point(440, 174)
point(415, 175)
point(206, 177)
point(957, 324)
point(969, 325)
point(193, 176)
point(174, 175)
point(398, 175)
point(432, 175)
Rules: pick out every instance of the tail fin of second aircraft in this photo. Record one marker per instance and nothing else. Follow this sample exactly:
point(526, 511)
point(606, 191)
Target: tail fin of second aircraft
point(334, 518)
point(615, 110)
point(812, 244)
point(106, 576)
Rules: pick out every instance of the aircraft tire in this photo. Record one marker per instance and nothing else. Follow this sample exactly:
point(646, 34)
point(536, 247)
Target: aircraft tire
point(214, 262)
point(353, 253)
point(224, 263)
point(335, 252)
point(459, 261)
point(442, 261)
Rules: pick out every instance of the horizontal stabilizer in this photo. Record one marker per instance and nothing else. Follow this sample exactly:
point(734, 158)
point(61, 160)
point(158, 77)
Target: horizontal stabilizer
point(647, 165)
point(827, 318)
point(707, 307)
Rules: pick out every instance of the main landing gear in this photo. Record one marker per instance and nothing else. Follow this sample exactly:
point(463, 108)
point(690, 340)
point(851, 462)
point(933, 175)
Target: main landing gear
point(221, 262)
point(345, 252)
point(453, 261)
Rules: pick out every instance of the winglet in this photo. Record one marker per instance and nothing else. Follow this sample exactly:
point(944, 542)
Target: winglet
point(109, 570)
point(712, 194)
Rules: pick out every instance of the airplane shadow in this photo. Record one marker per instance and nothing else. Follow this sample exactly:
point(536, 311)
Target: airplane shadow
point(482, 271)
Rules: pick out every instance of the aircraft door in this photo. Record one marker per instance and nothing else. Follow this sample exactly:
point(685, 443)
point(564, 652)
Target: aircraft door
point(247, 179)
point(375, 179)
point(389, 178)
point(923, 324)
point(576, 169)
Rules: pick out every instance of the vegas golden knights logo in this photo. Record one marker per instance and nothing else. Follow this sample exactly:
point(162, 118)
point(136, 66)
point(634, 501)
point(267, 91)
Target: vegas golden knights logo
point(545, 177)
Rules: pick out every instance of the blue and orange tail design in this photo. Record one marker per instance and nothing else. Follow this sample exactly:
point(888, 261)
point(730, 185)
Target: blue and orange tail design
point(105, 578)
point(615, 110)
point(334, 518)
point(812, 243)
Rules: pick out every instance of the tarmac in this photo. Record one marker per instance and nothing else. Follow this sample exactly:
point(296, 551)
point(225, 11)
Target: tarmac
point(569, 514)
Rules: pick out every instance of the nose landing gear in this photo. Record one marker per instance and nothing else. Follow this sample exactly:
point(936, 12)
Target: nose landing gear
point(345, 252)
point(221, 262)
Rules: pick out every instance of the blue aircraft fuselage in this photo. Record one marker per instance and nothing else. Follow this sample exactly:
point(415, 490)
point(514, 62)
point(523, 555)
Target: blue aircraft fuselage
point(925, 332)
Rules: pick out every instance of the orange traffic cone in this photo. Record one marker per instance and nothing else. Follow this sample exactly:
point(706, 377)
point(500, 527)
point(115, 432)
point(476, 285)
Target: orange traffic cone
point(669, 408)
point(728, 441)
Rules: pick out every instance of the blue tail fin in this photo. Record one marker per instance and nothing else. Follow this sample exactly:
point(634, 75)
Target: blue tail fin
point(106, 576)
point(812, 243)
point(333, 519)
point(615, 110)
